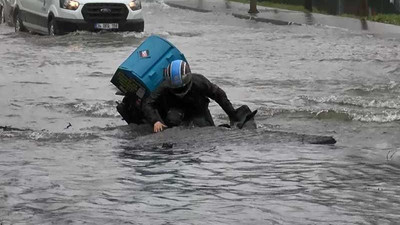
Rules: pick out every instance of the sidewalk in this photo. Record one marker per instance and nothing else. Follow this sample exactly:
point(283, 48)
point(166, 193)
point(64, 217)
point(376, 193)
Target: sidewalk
point(285, 17)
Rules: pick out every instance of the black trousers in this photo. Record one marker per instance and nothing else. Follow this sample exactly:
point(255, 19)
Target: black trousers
point(131, 113)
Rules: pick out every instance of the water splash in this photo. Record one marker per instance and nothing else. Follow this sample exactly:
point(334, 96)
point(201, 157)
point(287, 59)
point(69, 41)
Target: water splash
point(96, 109)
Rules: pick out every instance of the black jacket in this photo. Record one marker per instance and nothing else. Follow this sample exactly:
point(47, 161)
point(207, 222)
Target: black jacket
point(195, 102)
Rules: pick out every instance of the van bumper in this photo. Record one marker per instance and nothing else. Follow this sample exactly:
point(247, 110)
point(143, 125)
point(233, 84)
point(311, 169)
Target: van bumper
point(70, 25)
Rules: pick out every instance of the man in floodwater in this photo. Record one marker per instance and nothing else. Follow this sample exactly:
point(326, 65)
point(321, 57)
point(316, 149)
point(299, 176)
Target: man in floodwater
point(183, 98)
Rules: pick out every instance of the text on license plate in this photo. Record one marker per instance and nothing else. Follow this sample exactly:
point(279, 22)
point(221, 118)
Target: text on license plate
point(106, 26)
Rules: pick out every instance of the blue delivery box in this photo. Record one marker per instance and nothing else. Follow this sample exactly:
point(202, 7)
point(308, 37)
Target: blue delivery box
point(143, 71)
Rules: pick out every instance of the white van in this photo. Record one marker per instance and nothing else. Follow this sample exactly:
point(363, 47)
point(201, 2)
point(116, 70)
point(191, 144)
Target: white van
point(55, 17)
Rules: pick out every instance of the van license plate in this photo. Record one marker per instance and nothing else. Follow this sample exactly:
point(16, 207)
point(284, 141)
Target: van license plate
point(106, 26)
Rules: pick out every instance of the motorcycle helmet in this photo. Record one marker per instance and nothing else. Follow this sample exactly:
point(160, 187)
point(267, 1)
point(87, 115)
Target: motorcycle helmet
point(179, 77)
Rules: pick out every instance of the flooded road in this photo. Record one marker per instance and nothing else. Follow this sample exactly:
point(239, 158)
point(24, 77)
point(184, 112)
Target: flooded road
point(66, 157)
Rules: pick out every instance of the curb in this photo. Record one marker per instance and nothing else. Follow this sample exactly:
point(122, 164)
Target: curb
point(187, 7)
point(237, 15)
point(265, 20)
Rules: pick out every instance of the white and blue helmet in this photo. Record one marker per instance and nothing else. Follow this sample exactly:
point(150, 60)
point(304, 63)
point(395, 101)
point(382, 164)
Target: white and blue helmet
point(179, 77)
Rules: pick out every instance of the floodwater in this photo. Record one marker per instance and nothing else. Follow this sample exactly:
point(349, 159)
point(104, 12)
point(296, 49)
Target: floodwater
point(66, 157)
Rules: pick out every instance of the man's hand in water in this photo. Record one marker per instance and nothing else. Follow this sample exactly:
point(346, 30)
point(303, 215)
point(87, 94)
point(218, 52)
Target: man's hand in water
point(158, 126)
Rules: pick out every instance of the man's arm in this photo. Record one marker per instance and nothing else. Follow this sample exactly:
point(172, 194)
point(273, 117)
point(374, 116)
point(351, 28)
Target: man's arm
point(149, 106)
point(217, 94)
